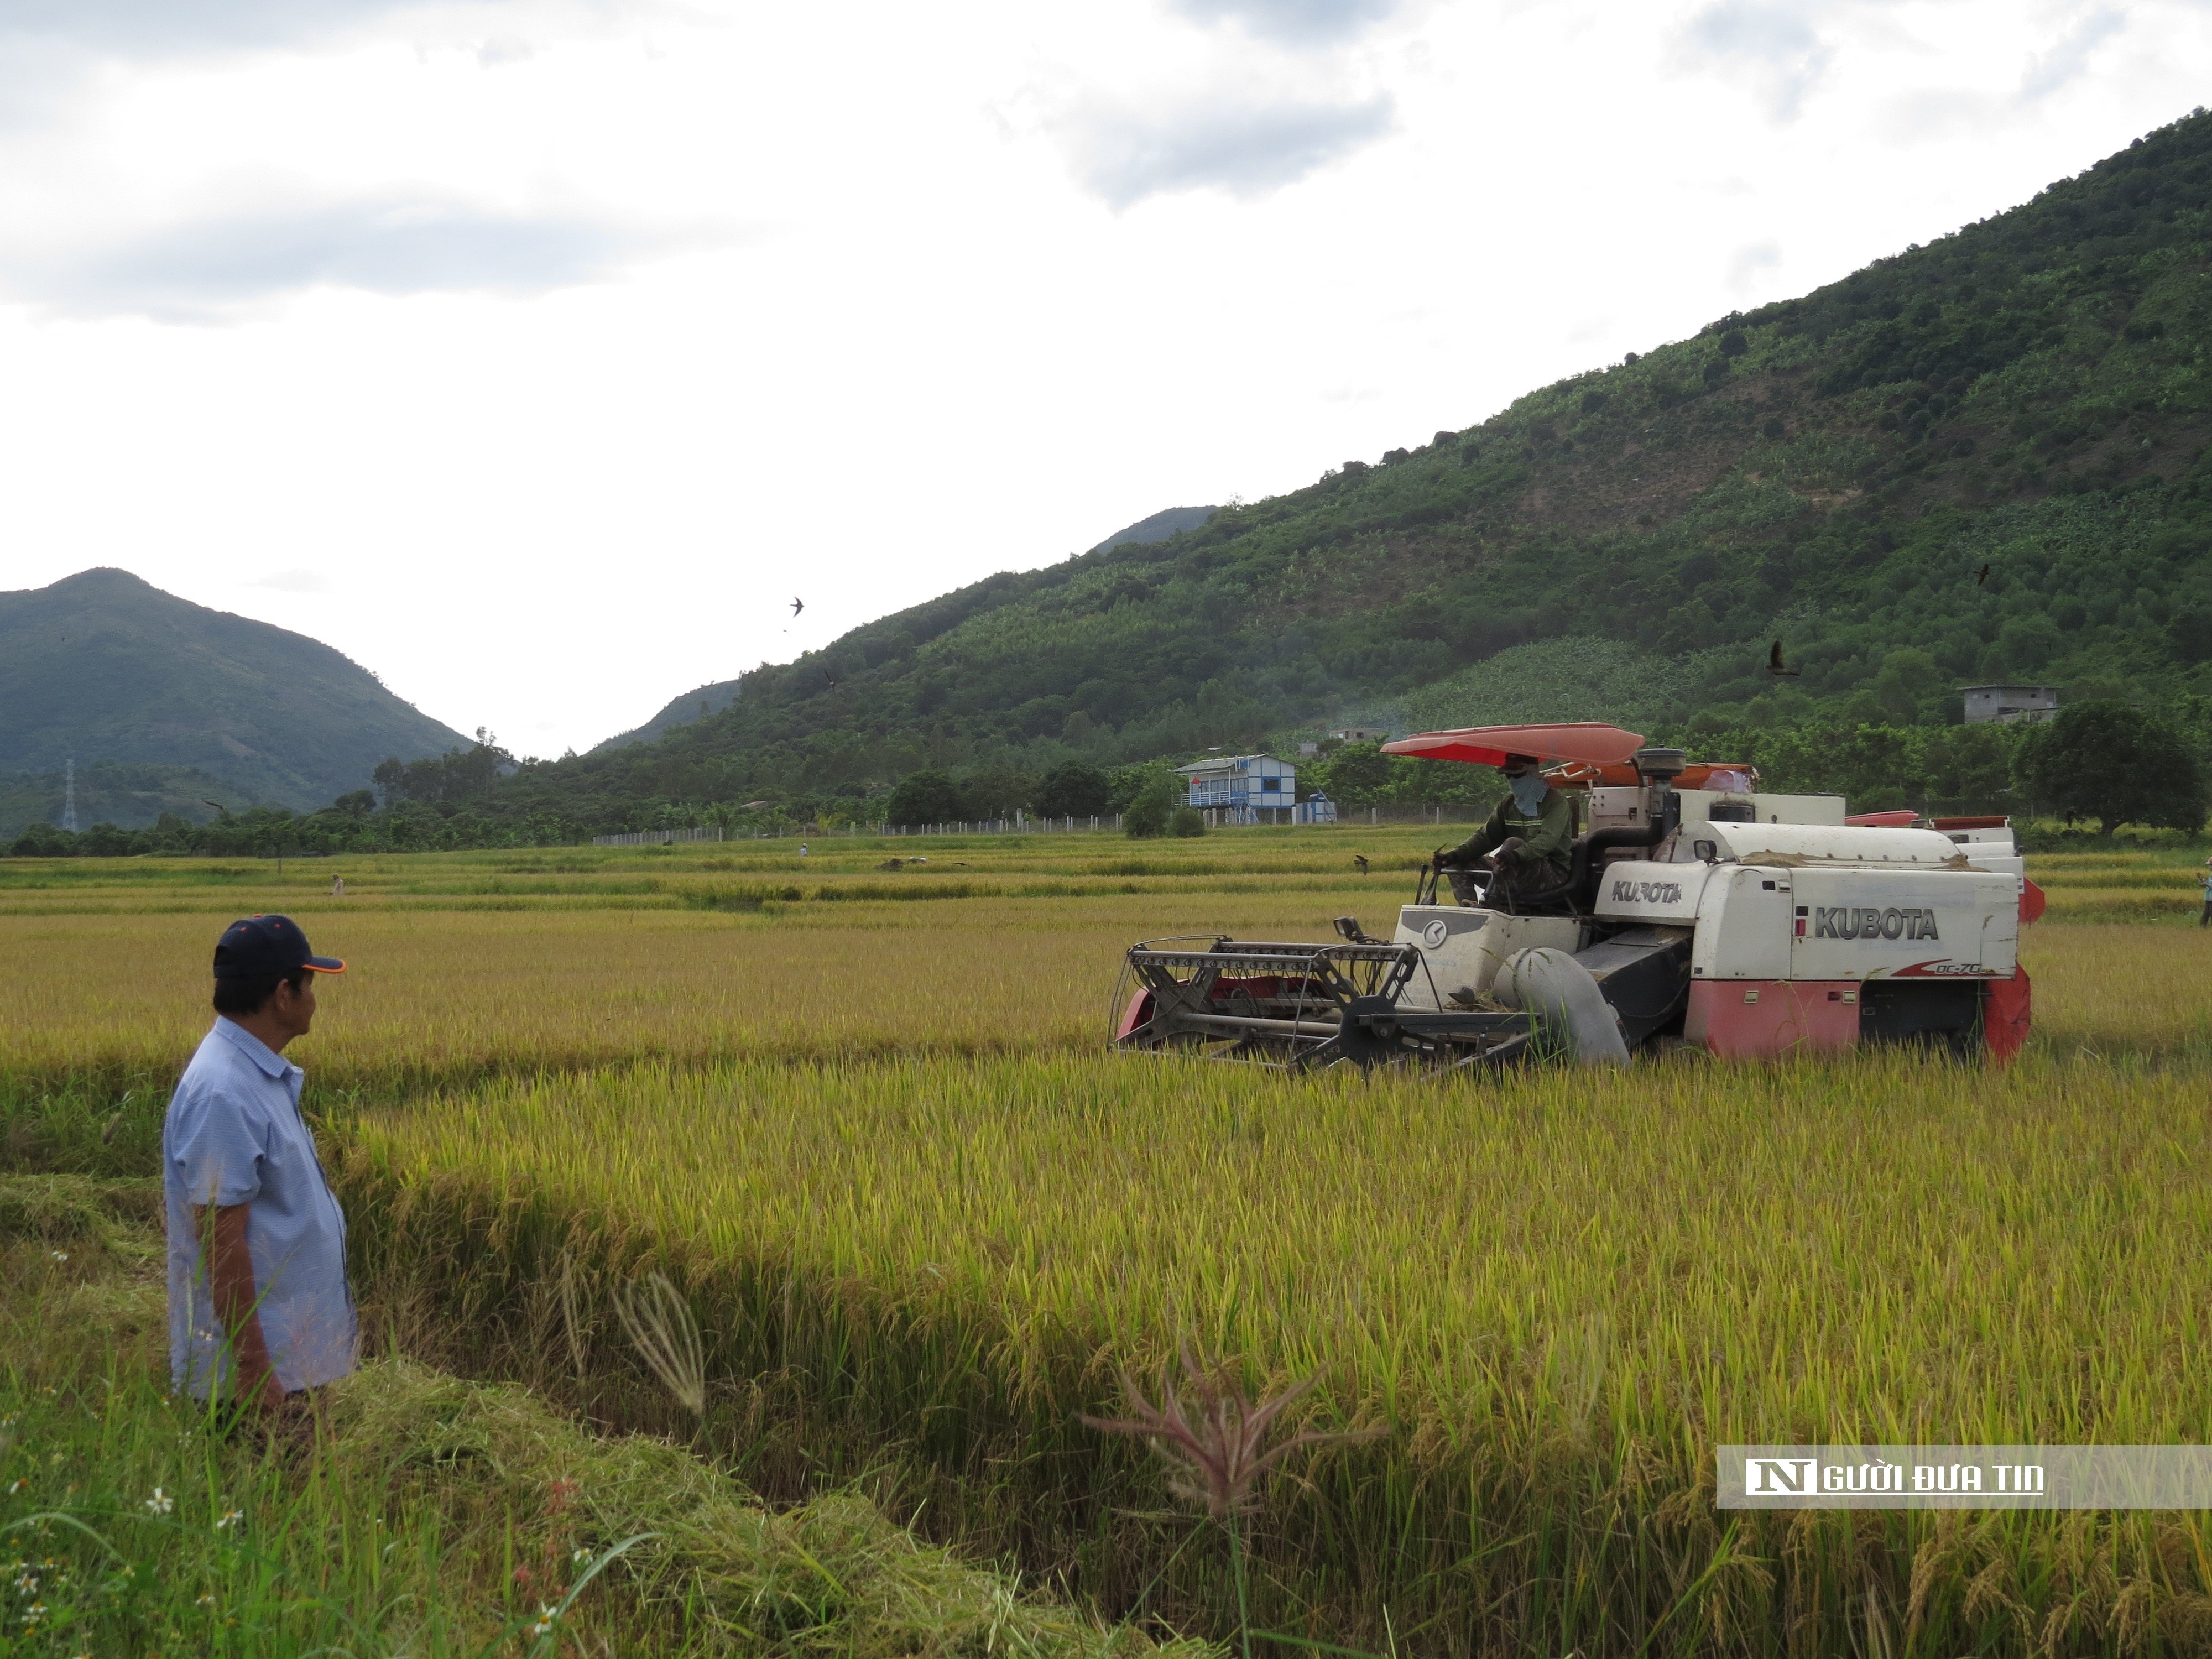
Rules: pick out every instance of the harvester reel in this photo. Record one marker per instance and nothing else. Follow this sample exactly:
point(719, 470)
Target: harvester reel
point(1296, 1006)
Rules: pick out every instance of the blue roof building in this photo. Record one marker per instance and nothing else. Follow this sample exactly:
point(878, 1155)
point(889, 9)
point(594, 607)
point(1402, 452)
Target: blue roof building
point(1245, 788)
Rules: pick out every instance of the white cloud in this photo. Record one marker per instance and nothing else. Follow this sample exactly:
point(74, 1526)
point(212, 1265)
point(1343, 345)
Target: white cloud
point(146, 29)
point(2068, 56)
point(203, 269)
point(1773, 41)
point(1298, 23)
point(1245, 143)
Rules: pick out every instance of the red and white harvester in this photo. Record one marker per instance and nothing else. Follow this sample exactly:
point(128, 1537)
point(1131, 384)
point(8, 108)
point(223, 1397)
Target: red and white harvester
point(1700, 909)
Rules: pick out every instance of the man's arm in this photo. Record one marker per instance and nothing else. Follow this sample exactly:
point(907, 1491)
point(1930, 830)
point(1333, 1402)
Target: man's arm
point(222, 1229)
point(1479, 844)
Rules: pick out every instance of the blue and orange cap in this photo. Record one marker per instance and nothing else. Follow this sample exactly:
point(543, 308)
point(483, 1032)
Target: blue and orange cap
point(257, 947)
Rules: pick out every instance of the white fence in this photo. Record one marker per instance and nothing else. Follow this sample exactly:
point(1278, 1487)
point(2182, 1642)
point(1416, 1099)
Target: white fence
point(657, 837)
point(1021, 823)
point(1319, 811)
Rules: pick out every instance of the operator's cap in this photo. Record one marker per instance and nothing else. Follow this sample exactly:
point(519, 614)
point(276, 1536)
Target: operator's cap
point(257, 947)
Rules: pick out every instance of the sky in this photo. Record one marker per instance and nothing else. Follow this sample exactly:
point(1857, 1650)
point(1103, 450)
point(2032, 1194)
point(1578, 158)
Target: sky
point(538, 354)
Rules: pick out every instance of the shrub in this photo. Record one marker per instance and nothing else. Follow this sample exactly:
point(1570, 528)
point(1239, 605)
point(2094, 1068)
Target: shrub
point(1156, 802)
point(1186, 821)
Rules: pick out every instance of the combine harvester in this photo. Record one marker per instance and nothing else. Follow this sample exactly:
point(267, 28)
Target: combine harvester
point(1700, 910)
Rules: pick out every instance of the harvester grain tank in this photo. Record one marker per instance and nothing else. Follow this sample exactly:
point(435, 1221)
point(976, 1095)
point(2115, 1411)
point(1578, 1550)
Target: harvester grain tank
point(1699, 910)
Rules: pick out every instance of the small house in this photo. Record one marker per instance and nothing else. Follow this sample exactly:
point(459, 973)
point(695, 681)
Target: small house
point(1242, 787)
point(1360, 734)
point(2010, 702)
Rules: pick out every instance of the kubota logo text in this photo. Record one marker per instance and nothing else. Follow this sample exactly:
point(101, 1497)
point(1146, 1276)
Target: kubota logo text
point(1857, 922)
point(1647, 892)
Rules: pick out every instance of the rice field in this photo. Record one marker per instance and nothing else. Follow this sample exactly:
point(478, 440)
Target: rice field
point(471, 965)
point(858, 1115)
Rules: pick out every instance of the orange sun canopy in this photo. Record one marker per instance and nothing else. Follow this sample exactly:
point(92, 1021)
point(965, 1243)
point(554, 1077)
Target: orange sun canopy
point(1588, 742)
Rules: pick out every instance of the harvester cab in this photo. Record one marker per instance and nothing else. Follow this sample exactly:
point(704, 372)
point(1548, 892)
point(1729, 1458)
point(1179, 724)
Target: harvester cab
point(1698, 908)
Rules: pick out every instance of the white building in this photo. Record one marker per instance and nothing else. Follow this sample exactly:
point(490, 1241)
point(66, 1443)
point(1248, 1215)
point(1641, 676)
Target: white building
point(1242, 787)
point(2010, 702)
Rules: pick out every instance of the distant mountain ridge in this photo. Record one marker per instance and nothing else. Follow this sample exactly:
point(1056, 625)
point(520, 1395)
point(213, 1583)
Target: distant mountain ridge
point(693, 705)
point(106, 668)
point(1157, 528)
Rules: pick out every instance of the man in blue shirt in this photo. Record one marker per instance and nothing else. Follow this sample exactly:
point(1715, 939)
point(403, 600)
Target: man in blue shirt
point(258, 1303)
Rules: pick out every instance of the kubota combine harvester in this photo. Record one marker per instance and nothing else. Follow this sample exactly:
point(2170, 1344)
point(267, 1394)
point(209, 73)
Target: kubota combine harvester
point(1699, 910)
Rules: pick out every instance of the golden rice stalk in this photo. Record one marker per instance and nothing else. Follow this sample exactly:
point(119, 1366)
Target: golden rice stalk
point(571, 1323)
point(665, 1334)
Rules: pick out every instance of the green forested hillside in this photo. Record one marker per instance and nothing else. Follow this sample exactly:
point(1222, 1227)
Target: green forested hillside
point(1836, 471)
point(105, 668)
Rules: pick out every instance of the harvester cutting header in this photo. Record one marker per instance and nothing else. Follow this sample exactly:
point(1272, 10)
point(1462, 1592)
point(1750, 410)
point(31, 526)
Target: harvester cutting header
point(1622, 895)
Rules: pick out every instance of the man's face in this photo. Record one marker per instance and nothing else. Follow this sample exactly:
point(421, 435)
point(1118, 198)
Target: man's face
point(295, 1010)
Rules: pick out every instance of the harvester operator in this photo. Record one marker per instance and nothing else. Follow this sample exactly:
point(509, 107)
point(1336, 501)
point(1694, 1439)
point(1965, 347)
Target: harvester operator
point(1526, 842)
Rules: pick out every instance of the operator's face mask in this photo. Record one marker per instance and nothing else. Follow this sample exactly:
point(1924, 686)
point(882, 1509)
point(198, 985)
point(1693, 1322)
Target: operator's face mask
point(1528, 791)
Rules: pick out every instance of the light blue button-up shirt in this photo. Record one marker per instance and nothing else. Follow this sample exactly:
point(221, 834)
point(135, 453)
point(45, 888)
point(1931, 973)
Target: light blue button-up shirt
point(234, 1135)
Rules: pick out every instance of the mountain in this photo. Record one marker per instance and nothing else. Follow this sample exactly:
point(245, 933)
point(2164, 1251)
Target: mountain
point(106, 668)
point(1158, 528)
point(693, 705)
point(1977, 461)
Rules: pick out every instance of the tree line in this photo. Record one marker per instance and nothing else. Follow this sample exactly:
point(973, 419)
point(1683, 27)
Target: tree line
point(2103, 762)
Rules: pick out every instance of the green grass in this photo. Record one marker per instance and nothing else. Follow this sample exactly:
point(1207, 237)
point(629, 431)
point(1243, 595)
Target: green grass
point(428, 1516)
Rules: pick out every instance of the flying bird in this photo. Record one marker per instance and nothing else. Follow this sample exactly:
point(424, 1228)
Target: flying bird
point(1774, 661)
point(1983, 576)
point(831, 683)
point(797, 605)
point(1359, 862)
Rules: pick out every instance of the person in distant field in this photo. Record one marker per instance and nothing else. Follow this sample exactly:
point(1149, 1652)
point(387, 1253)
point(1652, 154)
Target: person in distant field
point(260, 1307)
point(802, 849)
point(2205, 914)
point(337, 886)
point(1526, 842)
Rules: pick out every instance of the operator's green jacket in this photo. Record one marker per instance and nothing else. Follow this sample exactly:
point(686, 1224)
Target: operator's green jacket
point(1545, 856)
